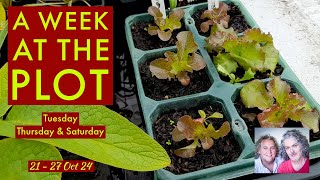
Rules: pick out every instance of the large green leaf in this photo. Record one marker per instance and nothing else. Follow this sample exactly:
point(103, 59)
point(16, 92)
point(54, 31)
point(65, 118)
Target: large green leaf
point(271, 57)
point(225, 64)
point(247, 54)
point(15, 154)
point(125, 146)
point(4, 90)
point(254, 94)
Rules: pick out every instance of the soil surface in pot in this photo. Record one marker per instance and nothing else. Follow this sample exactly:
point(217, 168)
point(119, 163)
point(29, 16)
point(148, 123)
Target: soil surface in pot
point(259, 75)
point(144, 41)
point(224, 150)
point(237, 20)
point(160, 89)
point(255, 123)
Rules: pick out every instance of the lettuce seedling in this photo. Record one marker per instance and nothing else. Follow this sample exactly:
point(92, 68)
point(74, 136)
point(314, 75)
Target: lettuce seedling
point(254, 51)
point(177, 65)
point(214, 16)
point(164, 27)
point(190, 129)
point(278, 104)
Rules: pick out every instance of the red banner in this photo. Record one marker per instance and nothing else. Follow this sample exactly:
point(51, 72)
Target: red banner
point(60, 55)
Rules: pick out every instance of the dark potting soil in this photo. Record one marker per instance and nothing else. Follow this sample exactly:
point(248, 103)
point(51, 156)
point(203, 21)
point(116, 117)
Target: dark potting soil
point(237, 20)
point(160, 89)
point(224, 150)
point(144, 41)
point(259, 75)
point(255, 123)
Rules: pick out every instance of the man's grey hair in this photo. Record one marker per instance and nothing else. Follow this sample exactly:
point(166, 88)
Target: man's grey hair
point(302, 140)
point(265, 137)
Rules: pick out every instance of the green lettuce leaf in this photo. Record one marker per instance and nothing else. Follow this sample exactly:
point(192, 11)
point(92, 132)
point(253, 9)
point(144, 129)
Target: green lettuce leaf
point(4, 90)
point(247, 54)
point(125, 146)
point(15, 154)
point(225, 64)
point(254, 94)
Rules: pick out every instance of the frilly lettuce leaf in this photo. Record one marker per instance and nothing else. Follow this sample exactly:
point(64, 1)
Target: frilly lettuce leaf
point(178, 64)
point(190, 129)
point(254, 94)
point(279, 89)
point(165, 26)
point(218, 35)
point(225, 65)
point(287, 105)
point(247, 54)
point(214, 16)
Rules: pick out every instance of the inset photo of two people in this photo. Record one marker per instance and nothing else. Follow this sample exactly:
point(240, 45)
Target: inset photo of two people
point(281, 150)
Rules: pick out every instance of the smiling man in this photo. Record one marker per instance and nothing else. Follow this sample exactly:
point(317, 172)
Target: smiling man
point(295, 151)
point(266, 155)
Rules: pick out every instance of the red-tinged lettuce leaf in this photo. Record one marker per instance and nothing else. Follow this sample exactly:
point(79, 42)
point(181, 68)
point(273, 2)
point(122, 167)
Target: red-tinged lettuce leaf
point(161, 68)
point(153, 30)
point(310, 119)
point(185, 45)
point(255, 34)
point(173, 21)
point(188, 151)
point(294, 102)
point(164, 35)
point(254, 94)
point(221, 132)
point(216, 15)
point(279, 90)
point(177, 135)
point(274, 117)
point(218, 35)
point(165, 26)
point(271, 57)
point(247, 54)
point(225, 64)
point(197, 62)
point(183, 78)
point(190, 128)
point(204, 27)
point(206, 143)
point(154, 11)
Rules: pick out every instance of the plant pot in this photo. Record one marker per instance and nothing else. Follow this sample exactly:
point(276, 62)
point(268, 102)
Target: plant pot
point(238, 166)
point(220, 91)
point(296, 87)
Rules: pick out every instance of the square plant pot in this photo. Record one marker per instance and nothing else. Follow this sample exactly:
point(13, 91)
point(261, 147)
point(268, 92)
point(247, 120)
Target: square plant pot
point(220, 91)
point(296, 87)
point(220, 161)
